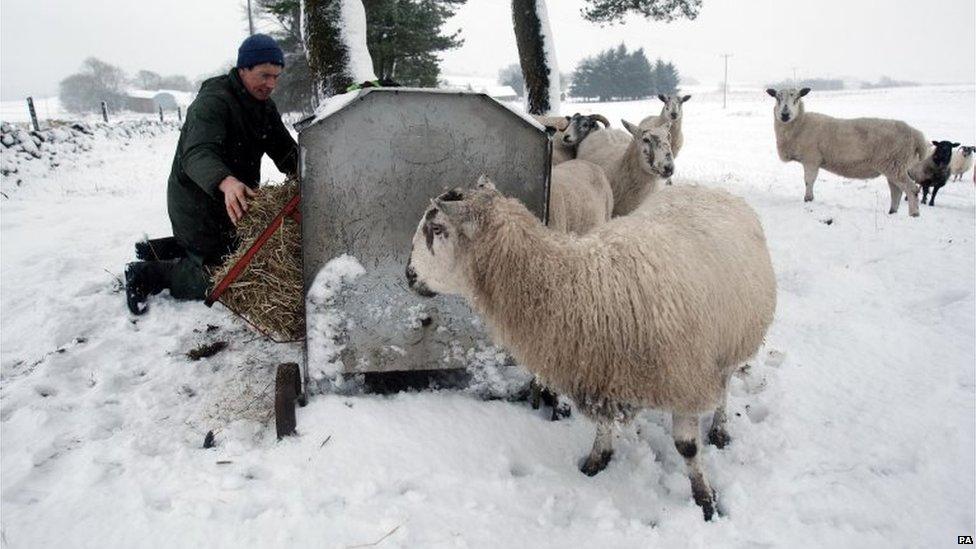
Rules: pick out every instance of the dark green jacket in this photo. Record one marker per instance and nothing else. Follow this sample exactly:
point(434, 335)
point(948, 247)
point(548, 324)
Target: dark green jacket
point(226, 132)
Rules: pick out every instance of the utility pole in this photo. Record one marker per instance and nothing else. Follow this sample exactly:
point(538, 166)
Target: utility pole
point(795, 83)
point(725, 91)
point(250, 20)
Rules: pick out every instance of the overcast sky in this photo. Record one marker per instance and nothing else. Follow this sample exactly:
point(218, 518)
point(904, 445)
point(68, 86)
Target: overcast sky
point(922, 40)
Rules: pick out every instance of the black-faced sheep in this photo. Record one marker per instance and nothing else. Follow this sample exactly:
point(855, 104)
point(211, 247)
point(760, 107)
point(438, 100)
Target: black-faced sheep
point(652, 310)
point(859, 148)
point(962, 161)
point(569, 132)
point(635, 161)
point(933, 171)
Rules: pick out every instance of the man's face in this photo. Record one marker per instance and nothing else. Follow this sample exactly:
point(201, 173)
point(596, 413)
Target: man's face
point(260, 80)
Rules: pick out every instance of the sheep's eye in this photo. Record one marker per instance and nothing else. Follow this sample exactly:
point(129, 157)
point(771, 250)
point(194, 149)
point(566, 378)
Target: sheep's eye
point(647, 140)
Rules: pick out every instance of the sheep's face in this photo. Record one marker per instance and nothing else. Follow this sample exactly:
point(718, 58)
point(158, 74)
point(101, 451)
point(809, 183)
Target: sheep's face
point(672, 106)
point(580, 126)
point(943, 152)
point(439, 256)
point(788, 103)
point(654, 148)
point(967, 151)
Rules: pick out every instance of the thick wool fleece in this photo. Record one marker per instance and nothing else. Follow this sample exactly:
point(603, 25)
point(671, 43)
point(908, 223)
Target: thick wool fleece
point(654, 309)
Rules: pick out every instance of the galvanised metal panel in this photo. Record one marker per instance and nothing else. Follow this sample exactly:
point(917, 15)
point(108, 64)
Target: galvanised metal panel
point(369, 172)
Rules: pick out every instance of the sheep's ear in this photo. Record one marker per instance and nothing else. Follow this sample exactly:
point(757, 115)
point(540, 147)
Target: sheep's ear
point(936, 143)
point(485, 183)
point(662, 98)
point(771, 92)
point(452, 209)
point(685, 98)
point(804, 91)
point(954, 145)
point(634, 130)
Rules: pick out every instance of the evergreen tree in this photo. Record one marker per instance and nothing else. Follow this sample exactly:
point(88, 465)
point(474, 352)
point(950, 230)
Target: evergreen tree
point(403, 37)
point(614, 11)
point(614, 74)
point(640, 81)
point(666, 78)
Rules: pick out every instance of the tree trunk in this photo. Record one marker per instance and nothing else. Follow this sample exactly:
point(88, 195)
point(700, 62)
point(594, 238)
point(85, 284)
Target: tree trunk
point(537, 56)
point(334, 34)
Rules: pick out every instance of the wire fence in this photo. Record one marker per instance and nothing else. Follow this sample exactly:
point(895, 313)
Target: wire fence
point(48, 110)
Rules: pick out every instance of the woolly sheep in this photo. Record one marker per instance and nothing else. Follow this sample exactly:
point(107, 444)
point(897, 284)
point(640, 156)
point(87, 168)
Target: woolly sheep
point(635, 162)
point(651, 310)
point(933, 171)
point(569, 132)
point(858, 148)
point(672, 111)
point(580, 197)
point(962, 161)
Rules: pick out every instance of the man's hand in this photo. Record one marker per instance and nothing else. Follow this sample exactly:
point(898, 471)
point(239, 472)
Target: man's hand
point(235, 197)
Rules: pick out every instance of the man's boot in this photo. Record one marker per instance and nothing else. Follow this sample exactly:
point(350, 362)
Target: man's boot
point(159, 249)
point(143, 279)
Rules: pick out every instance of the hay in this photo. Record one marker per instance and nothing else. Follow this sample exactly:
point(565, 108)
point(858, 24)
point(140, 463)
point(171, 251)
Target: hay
point(268, 293)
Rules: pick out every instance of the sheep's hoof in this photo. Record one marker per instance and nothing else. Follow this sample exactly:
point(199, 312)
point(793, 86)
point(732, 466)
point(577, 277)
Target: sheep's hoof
point(892, 211)
point(719, 438)
point(914, 214)
point(808, 198)
point(594, 465)
point(705, 500)
point(560, 410)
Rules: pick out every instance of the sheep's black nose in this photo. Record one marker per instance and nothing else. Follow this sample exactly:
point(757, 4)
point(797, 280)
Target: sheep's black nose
point(411, 276)
point(668, 171)
point(674, 116)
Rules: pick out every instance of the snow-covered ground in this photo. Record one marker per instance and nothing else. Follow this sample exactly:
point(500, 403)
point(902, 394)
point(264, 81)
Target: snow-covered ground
point(854, 427)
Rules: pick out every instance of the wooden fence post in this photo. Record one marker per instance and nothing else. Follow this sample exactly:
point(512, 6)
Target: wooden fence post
point(33, 113)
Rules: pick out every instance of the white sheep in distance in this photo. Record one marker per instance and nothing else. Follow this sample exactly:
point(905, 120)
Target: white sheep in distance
point(673, 112)
point(569, 131)
point(962, 161)
point(652, 310)
point(635, 162)
point(858, 148)
point(580, 197)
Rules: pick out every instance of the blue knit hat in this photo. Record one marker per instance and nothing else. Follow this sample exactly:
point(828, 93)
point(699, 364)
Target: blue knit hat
point(257, 49)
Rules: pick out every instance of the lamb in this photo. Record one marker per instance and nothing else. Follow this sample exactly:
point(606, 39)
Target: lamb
point(580, 197)
point(671, 111)
point(651, 310)
point(933, 171)
point(569, 132)
point(635, 162)
point(859, 148)
point(962, 161)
